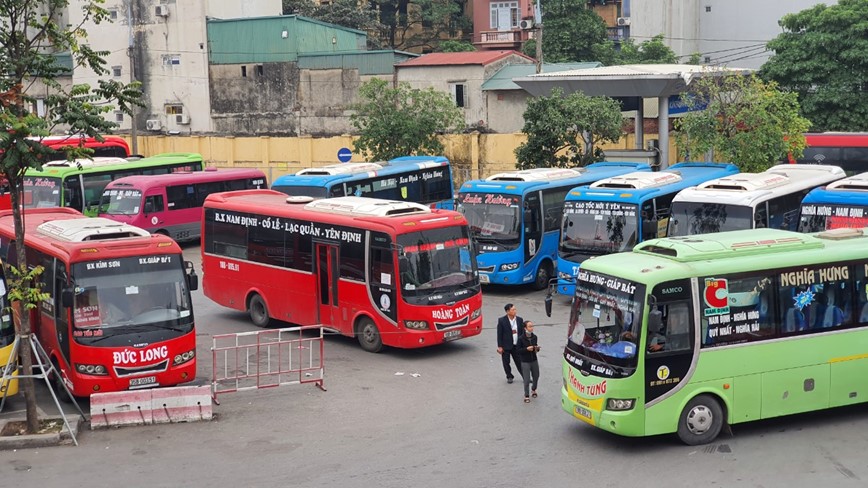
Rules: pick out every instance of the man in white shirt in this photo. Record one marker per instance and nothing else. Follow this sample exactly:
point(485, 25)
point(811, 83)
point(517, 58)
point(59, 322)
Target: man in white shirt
point(508, 328)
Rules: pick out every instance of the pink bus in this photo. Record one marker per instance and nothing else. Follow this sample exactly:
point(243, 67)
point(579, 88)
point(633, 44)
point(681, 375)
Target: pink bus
point(171, 204)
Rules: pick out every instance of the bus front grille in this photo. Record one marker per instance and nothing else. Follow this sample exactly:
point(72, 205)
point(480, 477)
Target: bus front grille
point(151, 368)
point(457, 323)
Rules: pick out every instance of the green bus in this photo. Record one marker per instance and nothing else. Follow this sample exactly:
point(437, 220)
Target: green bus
point(79, 184)
point(688, 334)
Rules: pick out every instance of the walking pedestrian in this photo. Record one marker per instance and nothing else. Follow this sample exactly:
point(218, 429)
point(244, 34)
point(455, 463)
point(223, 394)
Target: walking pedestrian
point(509, 327)
point(528, 346)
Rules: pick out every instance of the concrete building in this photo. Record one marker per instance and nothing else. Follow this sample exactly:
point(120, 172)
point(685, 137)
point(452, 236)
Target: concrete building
point(461, 75)
point(164, 45)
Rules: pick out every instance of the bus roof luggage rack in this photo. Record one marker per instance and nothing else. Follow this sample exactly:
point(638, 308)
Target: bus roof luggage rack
point(639, 179)
point(841, 233)
point(537, 174)
point(745, 182)
point(340, 169)
point(85, 163)
point(854, 183)
point(89, 229)
point(367, 207)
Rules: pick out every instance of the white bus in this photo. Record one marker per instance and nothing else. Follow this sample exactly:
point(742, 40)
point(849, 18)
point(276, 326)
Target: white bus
point(748, 200)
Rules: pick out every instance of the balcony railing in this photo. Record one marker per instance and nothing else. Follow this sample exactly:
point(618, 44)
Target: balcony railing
point(500, 37)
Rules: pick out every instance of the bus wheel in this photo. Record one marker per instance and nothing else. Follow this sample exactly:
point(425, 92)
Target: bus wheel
point(369, 336)
point(258, 311)
point(543, 275)
point(57, 384)
point(700, 421)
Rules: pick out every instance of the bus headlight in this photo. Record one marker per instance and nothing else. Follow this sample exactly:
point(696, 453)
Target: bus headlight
point(416, 324)
point(565, 276)
point(475, 313)
point(509, 266)
point(617, 404)
point(91, 369)
point(183, 357)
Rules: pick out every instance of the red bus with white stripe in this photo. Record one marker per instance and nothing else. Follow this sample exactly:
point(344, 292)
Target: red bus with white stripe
point(118, 314)
point(387, 272)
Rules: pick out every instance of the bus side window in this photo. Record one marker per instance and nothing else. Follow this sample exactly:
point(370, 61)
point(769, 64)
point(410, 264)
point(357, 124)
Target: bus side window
point(649, 222)
point(72, 194)
point(153, 204)
point(760, 216)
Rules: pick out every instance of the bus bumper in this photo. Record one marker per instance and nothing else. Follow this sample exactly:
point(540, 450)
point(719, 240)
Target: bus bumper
point(566, 288)
point(506, 277)
point(414, 339)
point(593, 412)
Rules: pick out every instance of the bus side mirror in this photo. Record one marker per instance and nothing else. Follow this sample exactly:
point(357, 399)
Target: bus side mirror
point(192, 277)
point(67, 297)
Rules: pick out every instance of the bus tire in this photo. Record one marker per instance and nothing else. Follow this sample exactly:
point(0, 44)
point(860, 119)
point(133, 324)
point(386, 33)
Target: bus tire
point(701, 421)
point(57, 384)
point(258, 311)
point(543, 275)
point(369, 336)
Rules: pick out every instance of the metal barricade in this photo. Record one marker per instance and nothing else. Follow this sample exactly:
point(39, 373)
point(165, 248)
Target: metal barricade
point(266, 359)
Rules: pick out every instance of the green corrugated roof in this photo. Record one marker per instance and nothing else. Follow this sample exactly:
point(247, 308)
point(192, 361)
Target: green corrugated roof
point(367, 62)
point(277, 39)
point(502, 80)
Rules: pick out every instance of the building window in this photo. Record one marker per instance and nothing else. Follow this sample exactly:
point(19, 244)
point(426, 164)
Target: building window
point(119, 116)
point(504, 15)
point(113, 14)
point(244, 71)
point(707, 59)
point(171, 59)
point(459, 94)
point(260, 70)
point(116, 71)
point(174, 109)
point(708, 8)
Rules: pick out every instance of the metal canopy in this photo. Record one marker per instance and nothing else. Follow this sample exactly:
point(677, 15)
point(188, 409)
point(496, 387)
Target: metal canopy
point(632, 80)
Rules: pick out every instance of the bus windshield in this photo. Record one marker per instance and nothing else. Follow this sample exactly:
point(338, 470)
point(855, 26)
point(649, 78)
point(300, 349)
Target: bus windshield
point(689, 218)
point(492, 217)
point(41, 191)
point(127, 301)
point(604, 325)
point(120, 202)
point(303, 191)
point(598, 228)
point(436, 266)
point(819, 217)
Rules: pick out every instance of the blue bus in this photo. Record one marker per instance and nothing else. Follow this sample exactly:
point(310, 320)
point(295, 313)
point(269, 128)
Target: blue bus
point(842, 203)
point(615, 214)
point(422, 179)
point(515, 219)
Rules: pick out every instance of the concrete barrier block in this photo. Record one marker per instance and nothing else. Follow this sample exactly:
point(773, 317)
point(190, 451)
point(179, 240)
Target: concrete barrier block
point(181, 404)
point(121, 408)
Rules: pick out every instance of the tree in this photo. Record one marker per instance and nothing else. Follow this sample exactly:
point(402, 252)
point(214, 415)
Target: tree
point(571, 32)
point(452, 46)
point(747, 121)
point(652, 51)
point(421, 24)
point(822, 55)
point(31, 31)
point(347, 13)
point(401, 121)
point(565, 131)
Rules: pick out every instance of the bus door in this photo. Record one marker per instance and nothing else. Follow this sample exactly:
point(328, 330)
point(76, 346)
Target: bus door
point(327, 283)
point(669, 339)
point(152, 212)
point(532, 226)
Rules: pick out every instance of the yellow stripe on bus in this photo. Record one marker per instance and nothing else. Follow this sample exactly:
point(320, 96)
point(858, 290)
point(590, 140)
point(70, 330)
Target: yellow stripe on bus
point(848, 358)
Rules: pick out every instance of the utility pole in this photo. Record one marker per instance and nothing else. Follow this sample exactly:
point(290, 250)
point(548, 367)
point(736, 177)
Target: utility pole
point(131, 44)
point(538, 25)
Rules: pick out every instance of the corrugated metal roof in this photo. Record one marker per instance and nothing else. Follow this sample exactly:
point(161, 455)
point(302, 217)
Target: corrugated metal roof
point(277, 39)
point(502, 80)
point(471, 57)
point(367, 62)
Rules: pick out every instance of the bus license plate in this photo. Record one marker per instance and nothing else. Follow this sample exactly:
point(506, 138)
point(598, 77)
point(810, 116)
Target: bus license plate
point(146, 380)
point(584, 414)
point(452, 335)
point(483, 278)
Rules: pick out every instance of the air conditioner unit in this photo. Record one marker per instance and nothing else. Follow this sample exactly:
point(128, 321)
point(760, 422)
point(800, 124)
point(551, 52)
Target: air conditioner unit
point(526, 24)
point(182, 119)
point(623, 21)
point(154, 124)
point(161, 10)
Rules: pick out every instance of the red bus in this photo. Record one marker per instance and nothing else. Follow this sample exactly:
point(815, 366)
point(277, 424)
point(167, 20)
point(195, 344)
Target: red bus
point(110, 146)
point(387, 272)
point(119, 314)
point(849, 150)
point(171, 204)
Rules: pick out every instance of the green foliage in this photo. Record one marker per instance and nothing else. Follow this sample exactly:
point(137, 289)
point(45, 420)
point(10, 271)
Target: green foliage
point(822, 55)
point(571, 32)
point(360, 15)
point(652, 51)
point(19, 279)
point(452, 46)
point(695, 59)
point(565, 131)
point(402, 121)
point(421, 24)
point(747, 121)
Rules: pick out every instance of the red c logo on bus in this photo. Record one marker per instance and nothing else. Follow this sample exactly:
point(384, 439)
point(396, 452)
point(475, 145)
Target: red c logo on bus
point(716, 292)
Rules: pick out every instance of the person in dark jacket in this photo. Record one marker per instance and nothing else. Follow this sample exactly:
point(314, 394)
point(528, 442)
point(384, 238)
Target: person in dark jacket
point(509, 328)
point(528, 346)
